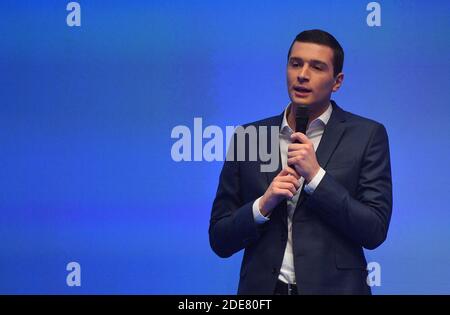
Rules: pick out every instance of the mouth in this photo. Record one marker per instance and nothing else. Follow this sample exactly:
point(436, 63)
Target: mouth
point(301, 91)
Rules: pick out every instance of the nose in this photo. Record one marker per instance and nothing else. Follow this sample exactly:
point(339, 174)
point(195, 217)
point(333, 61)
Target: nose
point(303, 74)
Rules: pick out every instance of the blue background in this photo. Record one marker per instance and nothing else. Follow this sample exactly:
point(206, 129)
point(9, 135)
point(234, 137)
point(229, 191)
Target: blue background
point(86, 115)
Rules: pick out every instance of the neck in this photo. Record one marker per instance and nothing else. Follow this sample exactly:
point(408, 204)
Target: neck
point(314, 112)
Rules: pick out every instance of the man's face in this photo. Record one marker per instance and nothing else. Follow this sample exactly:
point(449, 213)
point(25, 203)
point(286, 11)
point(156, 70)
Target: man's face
point(310, 76)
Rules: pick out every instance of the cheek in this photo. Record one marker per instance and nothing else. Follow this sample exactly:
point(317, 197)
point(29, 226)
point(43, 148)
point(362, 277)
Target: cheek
point(291, 77)
point(326, 85)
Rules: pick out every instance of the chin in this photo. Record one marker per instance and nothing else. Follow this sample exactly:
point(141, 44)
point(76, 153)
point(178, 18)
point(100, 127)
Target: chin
point(301, 101)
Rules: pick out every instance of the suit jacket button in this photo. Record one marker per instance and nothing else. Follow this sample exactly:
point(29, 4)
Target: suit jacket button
point(274, 270)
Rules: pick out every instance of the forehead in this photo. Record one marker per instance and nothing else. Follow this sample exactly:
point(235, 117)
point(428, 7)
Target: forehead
point(310, 51)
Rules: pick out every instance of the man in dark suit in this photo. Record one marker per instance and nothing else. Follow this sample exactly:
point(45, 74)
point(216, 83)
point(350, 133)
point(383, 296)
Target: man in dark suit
point(304, 226)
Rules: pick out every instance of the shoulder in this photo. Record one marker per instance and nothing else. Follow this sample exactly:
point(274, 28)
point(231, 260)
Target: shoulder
point(269, 121)
point(363, 124)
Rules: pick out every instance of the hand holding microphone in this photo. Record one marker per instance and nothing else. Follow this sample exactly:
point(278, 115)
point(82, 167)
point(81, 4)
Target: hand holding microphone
point(286, 183)
point(301, 154)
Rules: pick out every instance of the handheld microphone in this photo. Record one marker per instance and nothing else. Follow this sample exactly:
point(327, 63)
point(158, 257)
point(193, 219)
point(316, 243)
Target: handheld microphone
point(301, 121)
point(301, 118)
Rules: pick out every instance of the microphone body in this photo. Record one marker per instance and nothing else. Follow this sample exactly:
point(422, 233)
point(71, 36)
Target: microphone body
point(301, 119)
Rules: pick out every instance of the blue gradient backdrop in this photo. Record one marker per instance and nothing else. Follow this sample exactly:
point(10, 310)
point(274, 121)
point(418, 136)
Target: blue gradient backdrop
point(86, 115)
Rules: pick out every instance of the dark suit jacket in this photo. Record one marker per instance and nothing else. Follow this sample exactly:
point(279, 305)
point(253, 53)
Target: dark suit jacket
point(350, 209)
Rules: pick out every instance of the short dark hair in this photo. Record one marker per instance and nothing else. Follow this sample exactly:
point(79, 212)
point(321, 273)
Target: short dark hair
point(322, 38)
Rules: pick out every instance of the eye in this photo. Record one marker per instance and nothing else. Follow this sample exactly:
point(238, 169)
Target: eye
point(318, 68)
point(295, 64)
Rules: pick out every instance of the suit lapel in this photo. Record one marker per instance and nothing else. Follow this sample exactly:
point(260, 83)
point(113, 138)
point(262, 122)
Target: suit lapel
point(334, 130)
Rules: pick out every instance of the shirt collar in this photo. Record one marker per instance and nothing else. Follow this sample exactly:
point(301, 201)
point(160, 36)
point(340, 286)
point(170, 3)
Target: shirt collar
point(322, 120)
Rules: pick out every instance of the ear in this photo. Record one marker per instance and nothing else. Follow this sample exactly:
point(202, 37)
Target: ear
point(338, 81)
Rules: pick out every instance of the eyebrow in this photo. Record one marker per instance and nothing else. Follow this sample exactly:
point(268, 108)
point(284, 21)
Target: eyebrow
point(314, 61)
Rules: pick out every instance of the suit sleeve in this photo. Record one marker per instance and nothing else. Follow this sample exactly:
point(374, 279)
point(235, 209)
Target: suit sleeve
point(365, 217)
point(232, 225)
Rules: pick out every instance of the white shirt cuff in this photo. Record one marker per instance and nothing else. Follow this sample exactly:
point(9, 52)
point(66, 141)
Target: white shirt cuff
point(309, 188)
point(259, 218)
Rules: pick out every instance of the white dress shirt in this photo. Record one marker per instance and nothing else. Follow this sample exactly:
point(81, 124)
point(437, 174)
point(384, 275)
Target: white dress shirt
point(314, 133)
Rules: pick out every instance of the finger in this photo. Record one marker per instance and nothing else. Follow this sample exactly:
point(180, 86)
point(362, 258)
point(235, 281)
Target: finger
point(297, 160)
point(290, 180)
point(300, 152)
point(301, 137)
point(292, 171)
point(287, 186)
point(295, 182)
point(295, 146)
point(283, 172)
point(283, 192)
